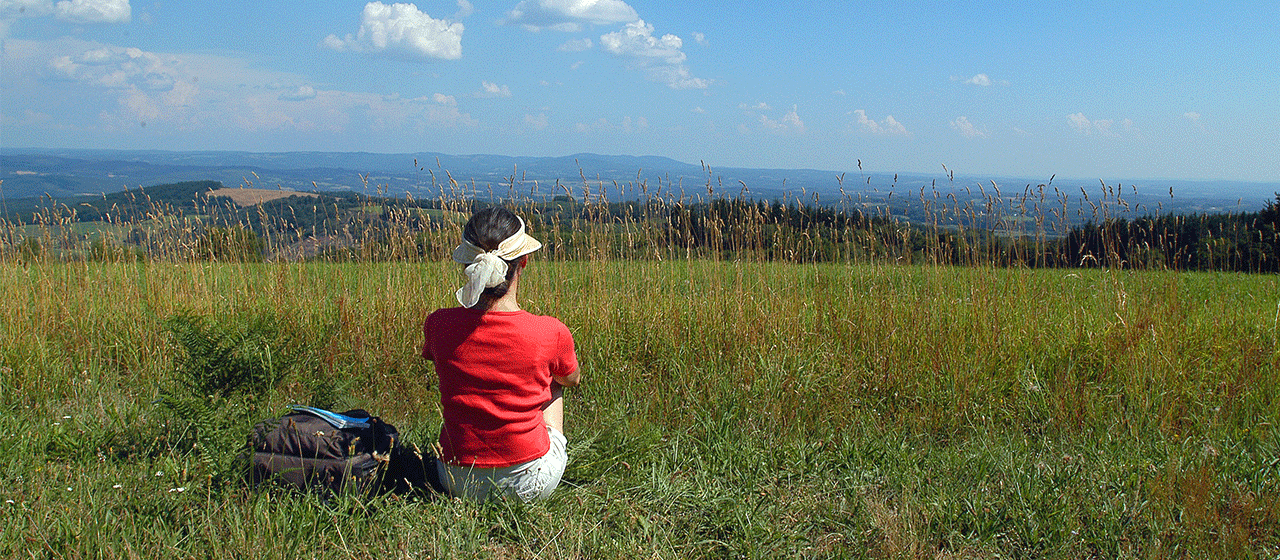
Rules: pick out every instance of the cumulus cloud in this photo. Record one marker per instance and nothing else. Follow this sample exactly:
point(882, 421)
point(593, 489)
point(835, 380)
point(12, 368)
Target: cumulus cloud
point(301, 93)
point(490, 89)
point(639, 124)
point(576, 45)
point(403, 30)
point(94, 11)
point(789, 122)
point(76, 11)
point(115, 89)
point(446, 100)
point(536, 122)
point(570, 15)
point(1102, 127)
point(118, 68)
point(700, 38)
point(465, 9)
point(888, 126)
point(967, 129)
point(145, 86)
point(626, 125)
point(13, 9)
point(1192, 116)
point(661, 57)
point(636, 41)
point(980, 80)
point(1080, 122)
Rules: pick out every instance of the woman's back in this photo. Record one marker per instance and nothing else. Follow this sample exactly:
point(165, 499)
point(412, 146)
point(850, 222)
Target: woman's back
point(495, 370)
point(501, 371)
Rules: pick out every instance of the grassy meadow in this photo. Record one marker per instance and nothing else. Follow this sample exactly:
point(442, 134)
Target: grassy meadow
point(729, 409)
point(736, 403)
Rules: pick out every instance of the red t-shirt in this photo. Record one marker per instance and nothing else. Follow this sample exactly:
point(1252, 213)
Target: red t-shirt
point(495, 373)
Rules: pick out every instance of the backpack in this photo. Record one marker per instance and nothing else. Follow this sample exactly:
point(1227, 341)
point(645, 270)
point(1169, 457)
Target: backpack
point(315, 449)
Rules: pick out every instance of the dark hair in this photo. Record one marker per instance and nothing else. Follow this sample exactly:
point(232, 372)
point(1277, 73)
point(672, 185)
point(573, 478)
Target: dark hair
point(486, 229)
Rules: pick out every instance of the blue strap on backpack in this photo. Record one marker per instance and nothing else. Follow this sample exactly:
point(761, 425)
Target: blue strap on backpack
point(334, 419)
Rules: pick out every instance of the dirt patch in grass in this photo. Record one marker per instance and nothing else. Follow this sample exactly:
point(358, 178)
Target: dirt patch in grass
point(252, 197)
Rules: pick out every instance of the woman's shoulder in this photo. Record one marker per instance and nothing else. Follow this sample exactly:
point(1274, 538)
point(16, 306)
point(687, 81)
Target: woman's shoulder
point(544, 322)
point(450, 314)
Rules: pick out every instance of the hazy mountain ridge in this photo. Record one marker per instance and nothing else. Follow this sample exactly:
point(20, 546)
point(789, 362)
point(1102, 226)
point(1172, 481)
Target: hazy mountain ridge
point(70, 172)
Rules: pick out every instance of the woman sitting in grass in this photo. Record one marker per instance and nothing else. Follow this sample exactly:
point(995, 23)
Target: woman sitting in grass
point(501, 371)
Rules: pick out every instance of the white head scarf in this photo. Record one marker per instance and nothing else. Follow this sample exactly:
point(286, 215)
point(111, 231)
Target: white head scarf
point(486, 269)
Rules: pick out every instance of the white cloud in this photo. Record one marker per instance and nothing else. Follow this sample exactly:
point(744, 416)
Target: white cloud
point(699, 110)
point(105, 89)
point(118, 68)
point(661, 57)
point(77, 11)
point(639, 124)
point(980, 80)
point(94, 11)
point(576, 45)
point(839, 92)
point(465, 9)
point(13, 9)
point(570, 15)
point(636, 40)
point(789, 122)
point(442, 99)
point(1080, 122)
point(888, 126)
point(301, 93)
point(536, 122)
point(627, 125)
point(1101, 127)
point(489, 89)
point(967, 129)
point(677, 77)
point(401, 29)
point(700, 38)
point(1194, 117)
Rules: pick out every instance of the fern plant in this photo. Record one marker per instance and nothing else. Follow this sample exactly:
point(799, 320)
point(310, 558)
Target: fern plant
point(225, 370)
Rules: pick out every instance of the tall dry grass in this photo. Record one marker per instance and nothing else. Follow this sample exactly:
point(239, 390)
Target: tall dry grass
point(735, 403)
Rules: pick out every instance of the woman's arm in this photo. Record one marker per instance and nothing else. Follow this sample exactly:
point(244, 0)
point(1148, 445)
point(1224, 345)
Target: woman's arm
point(570, 380)
point(553, 411)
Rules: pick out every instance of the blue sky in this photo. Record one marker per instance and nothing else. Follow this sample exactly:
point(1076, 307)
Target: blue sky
point(1099, 90)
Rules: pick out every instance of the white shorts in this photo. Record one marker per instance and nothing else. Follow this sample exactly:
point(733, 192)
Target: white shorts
point(529, 481)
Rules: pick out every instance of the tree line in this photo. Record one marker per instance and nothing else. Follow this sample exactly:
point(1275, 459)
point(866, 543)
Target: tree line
point(182, 221)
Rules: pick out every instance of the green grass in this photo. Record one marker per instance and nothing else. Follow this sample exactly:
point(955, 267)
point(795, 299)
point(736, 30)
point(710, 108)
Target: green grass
point(728, 410)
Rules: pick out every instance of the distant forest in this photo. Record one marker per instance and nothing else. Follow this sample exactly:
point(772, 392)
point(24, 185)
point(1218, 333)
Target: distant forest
point(181, 221)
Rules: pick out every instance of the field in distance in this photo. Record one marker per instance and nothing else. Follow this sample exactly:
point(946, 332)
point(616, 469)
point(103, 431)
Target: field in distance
point(252, 197)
